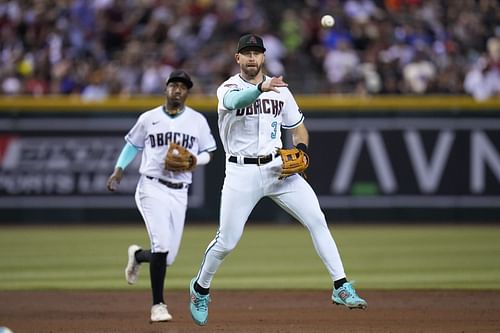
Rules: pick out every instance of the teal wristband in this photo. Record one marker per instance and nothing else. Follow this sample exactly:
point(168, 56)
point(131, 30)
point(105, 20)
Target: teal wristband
point(127, 155)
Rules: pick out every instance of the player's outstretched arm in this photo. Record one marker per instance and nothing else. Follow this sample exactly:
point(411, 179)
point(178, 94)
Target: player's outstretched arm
point(272, 84)
point(236, 99)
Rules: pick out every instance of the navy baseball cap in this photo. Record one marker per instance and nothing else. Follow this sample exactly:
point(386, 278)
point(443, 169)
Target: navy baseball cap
point(179, 75)
point(250, 40)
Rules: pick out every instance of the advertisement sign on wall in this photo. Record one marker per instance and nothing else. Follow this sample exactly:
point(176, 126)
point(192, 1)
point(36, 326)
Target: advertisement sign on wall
point(406, 162)
point(65, 163)
point(369, 161)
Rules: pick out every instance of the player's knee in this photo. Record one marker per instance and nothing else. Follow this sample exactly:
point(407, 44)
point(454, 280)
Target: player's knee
point(229, 248)
point(226, 243)
point(230, 244)
point(314, 221)
point(223, 249)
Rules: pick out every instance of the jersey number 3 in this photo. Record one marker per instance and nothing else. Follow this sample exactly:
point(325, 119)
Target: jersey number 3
point(274, 125)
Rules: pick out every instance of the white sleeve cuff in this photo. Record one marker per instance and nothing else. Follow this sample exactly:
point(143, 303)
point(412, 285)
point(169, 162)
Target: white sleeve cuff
point(203, 158)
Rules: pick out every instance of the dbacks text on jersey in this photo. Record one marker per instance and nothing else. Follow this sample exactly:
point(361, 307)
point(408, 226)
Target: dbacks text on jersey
point(163, 139)
point(264, 105)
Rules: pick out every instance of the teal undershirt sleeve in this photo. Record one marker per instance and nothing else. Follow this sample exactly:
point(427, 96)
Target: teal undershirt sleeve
point(237, 99)
point(126, 156)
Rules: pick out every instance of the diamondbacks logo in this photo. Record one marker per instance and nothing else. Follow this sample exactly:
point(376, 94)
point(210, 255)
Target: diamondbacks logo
point(252, 40)
point(163, 139)
point(264, 105)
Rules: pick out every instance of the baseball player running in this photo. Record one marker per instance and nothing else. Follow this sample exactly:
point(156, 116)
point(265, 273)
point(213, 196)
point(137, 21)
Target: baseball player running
point(173, 139)
point(252, 109)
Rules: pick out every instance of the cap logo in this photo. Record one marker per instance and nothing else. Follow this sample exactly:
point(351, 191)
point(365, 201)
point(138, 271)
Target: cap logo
point(250, 40)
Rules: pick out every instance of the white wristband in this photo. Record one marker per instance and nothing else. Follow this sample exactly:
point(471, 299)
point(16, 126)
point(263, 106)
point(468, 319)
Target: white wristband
point(203, 158)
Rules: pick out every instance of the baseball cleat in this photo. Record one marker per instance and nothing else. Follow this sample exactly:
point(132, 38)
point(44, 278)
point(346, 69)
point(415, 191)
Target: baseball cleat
point(132, 269)
point(159, 312)
point(198, 305)
point(346, 295)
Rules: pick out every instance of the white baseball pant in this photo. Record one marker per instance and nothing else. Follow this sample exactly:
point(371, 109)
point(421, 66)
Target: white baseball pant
point(244, 186)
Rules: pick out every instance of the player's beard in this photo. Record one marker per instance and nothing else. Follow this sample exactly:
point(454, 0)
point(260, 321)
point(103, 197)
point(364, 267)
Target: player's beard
point(251, 72)
point(175, 104)
point(175, 101)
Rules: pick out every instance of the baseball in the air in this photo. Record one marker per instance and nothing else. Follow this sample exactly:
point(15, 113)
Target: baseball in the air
point(327, 21)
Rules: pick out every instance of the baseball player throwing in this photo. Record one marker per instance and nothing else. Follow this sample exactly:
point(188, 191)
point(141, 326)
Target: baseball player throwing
point(252, 109)
point(173, 139)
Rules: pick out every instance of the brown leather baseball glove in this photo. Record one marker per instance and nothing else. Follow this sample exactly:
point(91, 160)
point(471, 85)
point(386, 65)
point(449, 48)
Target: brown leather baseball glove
point(179, 158)
point(294, 161)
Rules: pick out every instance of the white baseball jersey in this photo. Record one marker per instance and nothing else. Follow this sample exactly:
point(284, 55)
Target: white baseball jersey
point(265, 116)
point(155, 129)
point(255, 131)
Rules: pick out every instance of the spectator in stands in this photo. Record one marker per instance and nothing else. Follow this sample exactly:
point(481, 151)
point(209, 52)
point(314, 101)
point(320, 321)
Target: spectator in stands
point(341, 66)
point(419, 74)
point(75, 37)
point(97, 89)
point(11, 83)
point(483, 80)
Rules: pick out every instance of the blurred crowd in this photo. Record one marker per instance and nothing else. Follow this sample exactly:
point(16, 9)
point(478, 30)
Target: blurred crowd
point(98, 48)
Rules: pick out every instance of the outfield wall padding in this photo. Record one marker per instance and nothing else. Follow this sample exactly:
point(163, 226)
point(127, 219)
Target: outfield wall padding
point(385, 159)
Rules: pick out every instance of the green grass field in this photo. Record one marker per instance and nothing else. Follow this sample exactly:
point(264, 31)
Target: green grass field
point(267, 257)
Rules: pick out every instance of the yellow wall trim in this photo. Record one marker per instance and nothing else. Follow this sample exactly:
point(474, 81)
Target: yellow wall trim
point(324, 103)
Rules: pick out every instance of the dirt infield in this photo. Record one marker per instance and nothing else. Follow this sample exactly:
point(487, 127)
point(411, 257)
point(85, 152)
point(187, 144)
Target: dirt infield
point(253, 312)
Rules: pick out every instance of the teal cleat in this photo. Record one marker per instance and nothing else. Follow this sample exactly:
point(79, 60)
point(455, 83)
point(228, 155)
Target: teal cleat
point(198, 305)
point(346, 295)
